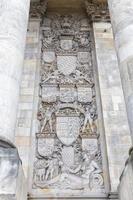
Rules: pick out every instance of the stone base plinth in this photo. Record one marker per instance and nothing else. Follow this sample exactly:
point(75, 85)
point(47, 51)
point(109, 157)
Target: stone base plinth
point(12, 180)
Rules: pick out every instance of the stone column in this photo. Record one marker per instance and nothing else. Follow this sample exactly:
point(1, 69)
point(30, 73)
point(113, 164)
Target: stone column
point(13, 28)
point(121, 12)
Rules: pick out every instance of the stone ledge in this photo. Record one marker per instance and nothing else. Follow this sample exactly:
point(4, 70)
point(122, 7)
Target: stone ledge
point(110, 196)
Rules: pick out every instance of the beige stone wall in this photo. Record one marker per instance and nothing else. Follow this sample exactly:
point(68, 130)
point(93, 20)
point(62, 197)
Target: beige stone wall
point(115, 123)
point(27, 94)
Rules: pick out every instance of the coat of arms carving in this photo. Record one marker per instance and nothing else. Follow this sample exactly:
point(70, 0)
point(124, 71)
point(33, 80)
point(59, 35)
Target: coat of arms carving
point(68, 156)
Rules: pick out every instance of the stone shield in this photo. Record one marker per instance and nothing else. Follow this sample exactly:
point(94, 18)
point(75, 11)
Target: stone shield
point(66, 64)
point(68, 129)
point(49, 93)
point(45, 146)
point(66, 44)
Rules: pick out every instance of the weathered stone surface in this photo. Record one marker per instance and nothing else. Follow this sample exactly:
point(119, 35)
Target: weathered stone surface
point(121, 17)
point(13, 23)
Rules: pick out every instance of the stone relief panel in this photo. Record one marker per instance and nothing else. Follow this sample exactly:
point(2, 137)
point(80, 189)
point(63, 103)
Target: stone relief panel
point(68, 153)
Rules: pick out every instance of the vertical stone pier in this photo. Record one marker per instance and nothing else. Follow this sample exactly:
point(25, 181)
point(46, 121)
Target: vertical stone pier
point(13, 28)
point(13, 23)
point(121, 17)
point(121, 12)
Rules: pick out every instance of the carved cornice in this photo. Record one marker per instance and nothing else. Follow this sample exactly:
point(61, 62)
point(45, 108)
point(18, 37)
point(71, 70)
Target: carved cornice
point(97, 11)
point(38, 9)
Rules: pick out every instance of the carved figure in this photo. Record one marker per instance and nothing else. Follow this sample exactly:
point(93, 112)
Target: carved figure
point(52, 168)
point(47, 119)
point(84, 42)
point(40, 174)
point(89, 167)
point(88, 119)
point(92, 170)
point(40, 170)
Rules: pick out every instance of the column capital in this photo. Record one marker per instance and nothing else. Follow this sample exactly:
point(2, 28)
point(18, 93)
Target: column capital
point(97, 11)
point(38, 9)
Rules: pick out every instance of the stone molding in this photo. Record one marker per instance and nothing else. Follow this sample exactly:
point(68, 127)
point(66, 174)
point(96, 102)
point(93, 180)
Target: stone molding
point(38, 9)
point(97, 11)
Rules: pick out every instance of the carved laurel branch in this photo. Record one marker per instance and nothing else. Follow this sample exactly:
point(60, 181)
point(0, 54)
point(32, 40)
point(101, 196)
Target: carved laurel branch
point(97, 11)
point(38, 9)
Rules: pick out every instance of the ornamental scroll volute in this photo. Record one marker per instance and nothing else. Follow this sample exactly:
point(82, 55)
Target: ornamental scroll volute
point(68, 153)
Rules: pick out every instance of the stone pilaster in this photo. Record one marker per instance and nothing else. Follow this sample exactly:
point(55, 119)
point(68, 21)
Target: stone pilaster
point(13, 28)
point(121, 12)
point(114, 125)
point(28, 94)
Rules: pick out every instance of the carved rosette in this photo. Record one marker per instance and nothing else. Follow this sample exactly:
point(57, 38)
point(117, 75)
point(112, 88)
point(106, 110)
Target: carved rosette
point(97, 11)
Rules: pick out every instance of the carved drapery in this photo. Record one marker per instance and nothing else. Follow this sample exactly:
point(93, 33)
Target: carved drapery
point(68, 156)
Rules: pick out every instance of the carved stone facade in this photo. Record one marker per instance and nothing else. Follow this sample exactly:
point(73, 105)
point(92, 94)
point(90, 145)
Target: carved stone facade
point(97, 11)
point(38, 9)
point(68, 156)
